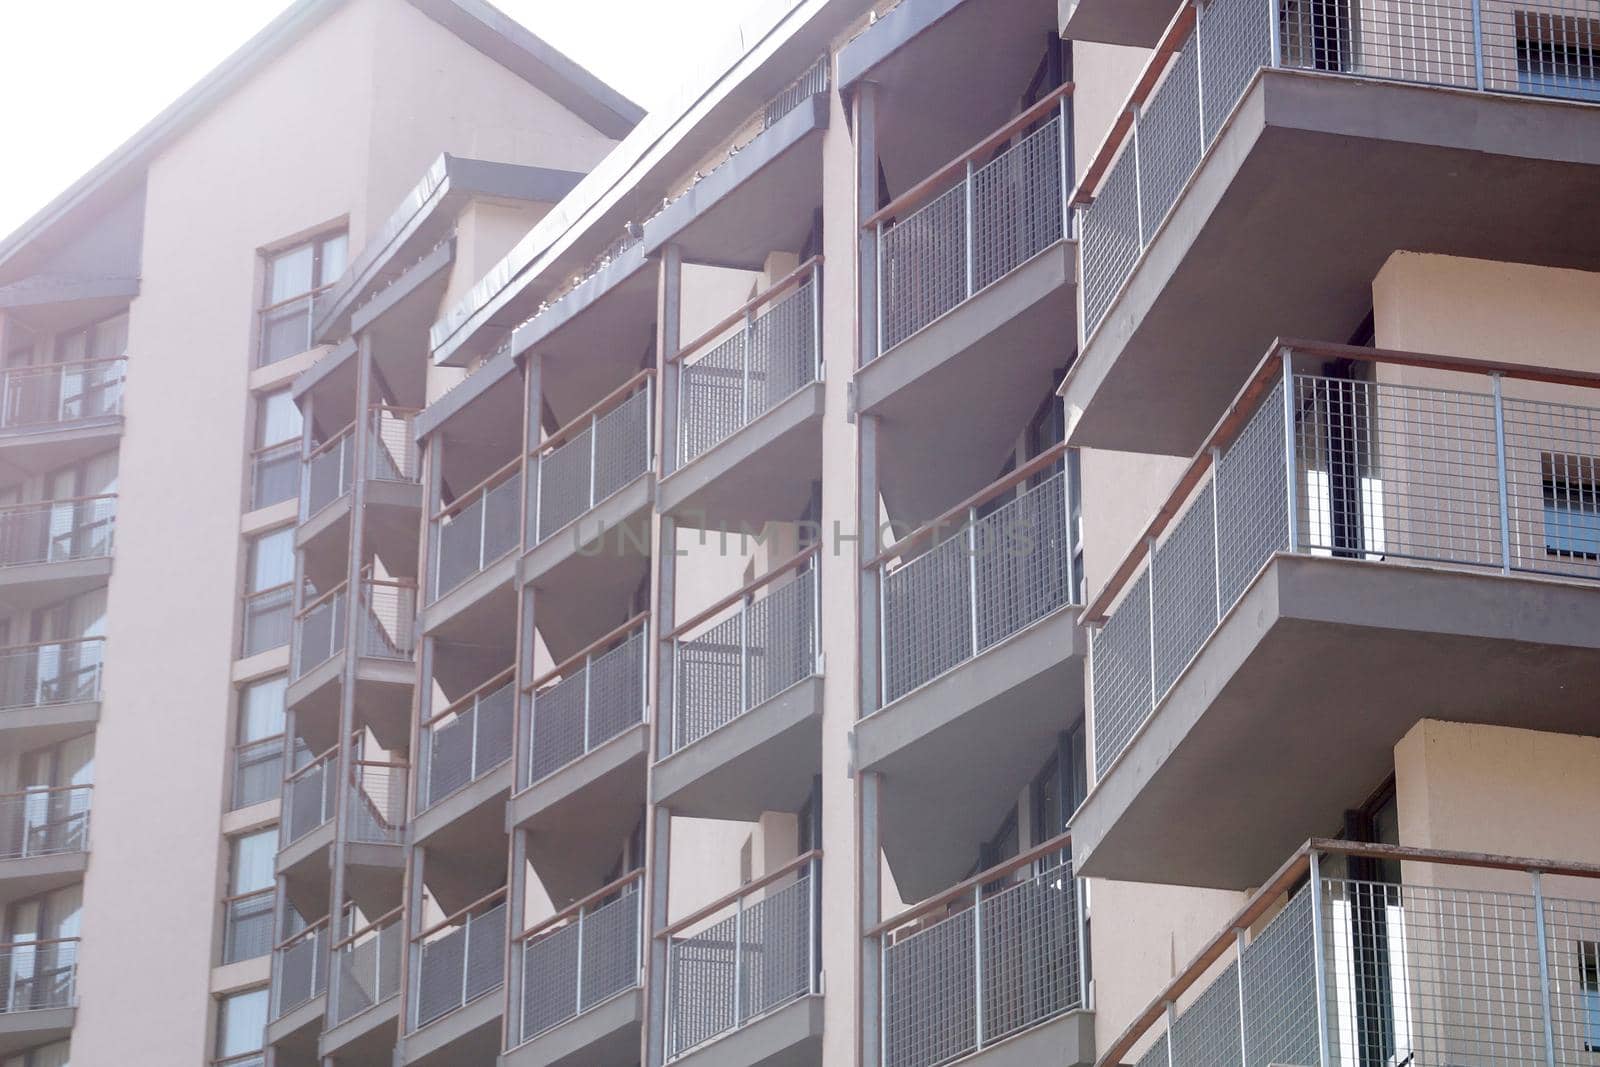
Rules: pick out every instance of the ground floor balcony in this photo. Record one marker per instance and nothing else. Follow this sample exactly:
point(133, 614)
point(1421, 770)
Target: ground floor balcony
point(1347, 554)
point(1456, 959)
point(55, 549)
point(44, 838)
point(38, 992)
point(1300, 146)
point(456, 974)
point(49, 691)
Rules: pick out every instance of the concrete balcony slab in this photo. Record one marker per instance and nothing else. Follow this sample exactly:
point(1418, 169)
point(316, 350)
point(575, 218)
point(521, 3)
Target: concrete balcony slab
point(470, 1034)
point(790, 1036)
point(366, 1039)
point(34, 727)
point(21, 1030)
point(605, 1036)
point(28, 876)
point(1137, 23)
point(32, 585)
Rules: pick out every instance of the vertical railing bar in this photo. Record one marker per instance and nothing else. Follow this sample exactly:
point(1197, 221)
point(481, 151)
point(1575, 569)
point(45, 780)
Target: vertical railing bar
point(1544, 969)
point(1319, 958)
point(1290, 463)
point(588, 675)
point(744, 654)
point(1170, 1011)
point(1063, 140)
point(883, 637)
point(877, 248)
point(738, 961)
point(744, 364)
point(972, 575)
point(577, 997)
point(968, 230)
point(1238, 951)
point(1500, 475)
point(1150, 620)
point(594, 448)
point(1477, 43)
point(977, 960)
point(1274, 41)
point(1138, 178)
point(1216, 528)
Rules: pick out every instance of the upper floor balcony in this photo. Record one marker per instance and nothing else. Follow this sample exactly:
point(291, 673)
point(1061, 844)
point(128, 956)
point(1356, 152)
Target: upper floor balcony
point(38, 992)
point(465, 763)
point(746, 443)
point(298, 998)
point(580, 979)
point(374, 807)
point(49, 691)
point(744, 731)
point(364, 992)
point(44, 838)
point(1299, 146)
point(991, 971)
point(393, 493)
point(980, 663)
point(53, 549)
point(474, 559)
point(385, 632)
point(743, 982)
point(1344, 543)
point(457, 964)
point(54, 413)
point(1455, 958)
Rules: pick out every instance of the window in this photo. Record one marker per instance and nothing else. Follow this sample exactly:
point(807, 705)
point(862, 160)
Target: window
point(269, 600)
point(241, 1023)
point(258, 742)
point(1558, 55)
point(252, 866)
point(1589, 972)
point(1571, 506)
point(272, 559)
point(57, 1054)
point(294, 279)
point(248, 912)
point(275, 468)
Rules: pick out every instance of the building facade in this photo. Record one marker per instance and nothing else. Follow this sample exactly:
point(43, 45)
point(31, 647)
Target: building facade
point(993, 531)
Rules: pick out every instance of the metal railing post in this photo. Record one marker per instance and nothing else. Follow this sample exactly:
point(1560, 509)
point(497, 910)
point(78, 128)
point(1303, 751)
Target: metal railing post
point(578, 997)
point(1080, 898)
point(650, 424)
point(738, 961)
point(677, 429)
point(1500, 471)
point(1064, 139)
point(972, 574)
point(1138, 178)
point(744, 367)
point(883, 639)
point(466, 952)
point(813, 899)
point(1319, 958)
point(1544, 969)
point(472, 760)
point(1290, 473)
point(644, 672)
point(1172, 1021)
point(1150, 617)
point(877, 249)
point(977, 960)
point(744, 655)
point(588, 676)
point(1066, 525)
point(883, 1004)
point(1199, 69)
point(816, 324)
point(1216, 528)
point(538, 498)
point(969, 230)
point(677, 683)
point(1274, 36)
point(594, 448)
point(1477, 43)
point(1238, 951)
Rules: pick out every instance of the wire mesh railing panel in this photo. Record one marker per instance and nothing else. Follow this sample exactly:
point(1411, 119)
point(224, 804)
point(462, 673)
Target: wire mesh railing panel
point(1016, 205)
point(299, 971)
point(392, 455)
point(330, 473)
point(581, 965)
point(1207, 1033)
point(1109, 243)
point(588, 707)
point(388, 625)
point(51, 394)
point(275, 474)
point(1157, 1055)
point(1252, 509)
point(783, 349)
point(502, 519)
point(463, 748)
point(709, 681)
point(57, 531)
point(1553, 487)
point(1183, 590)
point(1022, 563)
point(45, 822)
point(66, 672)
point(564, 482)
point(701, 978)
point(1169, 139)
point(923, 269)
point(927, 616)
point(616, 689)
point(247, 927)
point(610, 949)
point(1572, 937)
point(461, 965)
point(268, 619)
point(549, 981)
point(559, 725)
point(1278, 978)
point(308, 798)
point(1235, 42)
point(781, 638)
point(1030, 953)
point(1122, 678)
point(319, 633)
point(366, 971)
point(930, 994)
point(712, 388)
point(486, 941)
point(621, 445)
point(460, 549)
point(38, 976)
point(775, 949)
point(1543, 48)
point(377, 803)
point(257, 771)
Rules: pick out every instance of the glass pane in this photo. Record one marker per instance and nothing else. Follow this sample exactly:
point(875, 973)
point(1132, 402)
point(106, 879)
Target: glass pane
point(272, 559)
point(77, 761)
point(277, 420)
point(65, 909)
point(335, 251)
point(261, 709)
point(241, 1023)
point(253, 856)
point(289, 274)
point(109, 339)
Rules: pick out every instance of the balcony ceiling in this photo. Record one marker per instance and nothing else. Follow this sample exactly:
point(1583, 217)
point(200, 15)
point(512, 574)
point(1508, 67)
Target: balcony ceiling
point(601, 343)
point(1126, 22)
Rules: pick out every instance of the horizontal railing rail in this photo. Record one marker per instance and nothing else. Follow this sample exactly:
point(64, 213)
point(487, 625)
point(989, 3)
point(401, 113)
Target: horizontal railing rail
point(974, 220)
point(477, 528)
point(319, 628)
point(44, 395)
point(581, 957)
point(51, 672)
point(309, 796)
point(761, 954)
point(760, 355)
point(38, 975)
point(459, 959)
point(56, 531)
point(268, 619)
point(746, 649)
point(1009, 950)
point(45, 821)
point(594, 455)
point(1322, 968)
point(286, 326)
point(468, 739)
point(589, 698)
point(300, 968)
point(1360, 467)
point(247, 925)
point(366, 967)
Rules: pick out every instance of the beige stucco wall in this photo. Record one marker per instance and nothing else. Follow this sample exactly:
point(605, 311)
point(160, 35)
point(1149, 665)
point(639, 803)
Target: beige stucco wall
point(1102, 76)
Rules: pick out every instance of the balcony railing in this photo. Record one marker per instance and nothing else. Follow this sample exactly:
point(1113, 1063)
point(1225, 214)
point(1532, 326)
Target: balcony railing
point(319, 629)
point(480, 527)
point(750, 362)
point(974, 220)
point(366, 968)
point(46, 821)
point(1410, 971)
point(745, 649)
point(744, 955)
point(594, 455)
point(467, 740)
point(309, 795)
point(286, 327)
point(458, 960)
point(275, 474)
point(589, 699)
point(813, 81)
point(51, 672)
point(330, 467)
point(987, 569)
point(38, 975)
point(996, 955)
point(56, 531)
point(393, 455)
point(257, 771)
point(377, 810)
point(45, 396)
point(388, 627)
point(329, 471)
point(247, 1059)
point(247, 926)
point(268, 619)
point(300, 968)
point(1209, 56)
point(581, 957)
point(1360, 468)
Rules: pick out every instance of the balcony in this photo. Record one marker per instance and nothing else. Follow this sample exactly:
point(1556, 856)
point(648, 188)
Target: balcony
point(745, 732)
point(975, 283)
point(385, 670)
point(1431, 968)
point(593, 485)
point(588, 744)
point(980, 667)
point(465, 763)
point(374, 820)
point(455, 965)
point(49, 691)
point(1424, 525)
point(743, 978)
point(475, 558)
point(1137, 23)
point(747, 440)
point(1301, 152)
point(38, 994)
point(393, 495)
point(299, 990)
point(247, 926)
point(44, 838)
point(1007, 946)
point(364, 997)
point(55, 549)
point(52, 414)
point(581, 1000)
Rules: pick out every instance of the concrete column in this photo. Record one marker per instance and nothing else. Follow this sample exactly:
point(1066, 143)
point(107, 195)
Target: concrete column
point(516, 871)
point(658, 848)
point(669, 307)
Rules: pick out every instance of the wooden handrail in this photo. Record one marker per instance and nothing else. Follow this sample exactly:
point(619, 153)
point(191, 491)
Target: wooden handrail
point(923, 190)
point(965, 888)
point(317, 603)
point(1244, 405)
point(1176, 33)
point(286, 301)
point(311, 929)
point(54, 503)
point(772, 292)
point(293, 444)
point(41, 941)
point(276, 738)
point(1284, 879)
point(393, 913)
point(560, 669)
point(254, 593)
point(45, 789)
point(1043, 461)
point(450, 920)
point(235, 898)
point(579, 905)
point(46, 644)
point(348, 429)
point(476, 491)
point(792, 563)
point(472, 694)
point(572, 425)
point(802, 860)
point(318, 760)
point(398, 765)
point(65, 364)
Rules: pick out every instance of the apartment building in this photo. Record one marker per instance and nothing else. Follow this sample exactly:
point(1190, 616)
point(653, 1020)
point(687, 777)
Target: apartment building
point(993, 531)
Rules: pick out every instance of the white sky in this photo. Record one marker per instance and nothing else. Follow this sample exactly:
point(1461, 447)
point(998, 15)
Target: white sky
point(78, 77)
